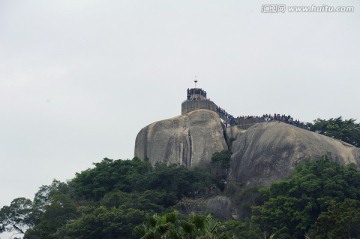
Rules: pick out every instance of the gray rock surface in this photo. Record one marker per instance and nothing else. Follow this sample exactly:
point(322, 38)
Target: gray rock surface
point(268, 152)
point(232, 134)
point(262, 154)
point(188, 139)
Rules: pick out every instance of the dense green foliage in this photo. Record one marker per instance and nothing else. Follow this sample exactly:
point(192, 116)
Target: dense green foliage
point(345, 130)
point(170, 183)
point(107, 201)
point(17, 216)
point(295, 207)
point(172, 226)
point(220, 165)
point(321, 200)
point(341, 220)
point(222, 159)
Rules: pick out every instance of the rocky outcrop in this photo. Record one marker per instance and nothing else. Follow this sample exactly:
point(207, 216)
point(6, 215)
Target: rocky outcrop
point(232, 135)
point(268, 152)
point(189, 139)
point(262, 154)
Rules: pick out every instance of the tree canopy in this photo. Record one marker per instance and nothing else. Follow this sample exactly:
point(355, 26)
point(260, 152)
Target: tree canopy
point(345, 130)
point(295, 207)
point(106, 201)
point(321, 200)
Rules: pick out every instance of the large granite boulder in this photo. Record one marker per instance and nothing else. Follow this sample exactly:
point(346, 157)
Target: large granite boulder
point(189, 139)
point(262, 154)
point(268, 152)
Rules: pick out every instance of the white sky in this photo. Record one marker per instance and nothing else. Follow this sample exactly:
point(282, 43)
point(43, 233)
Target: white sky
point(79, 79)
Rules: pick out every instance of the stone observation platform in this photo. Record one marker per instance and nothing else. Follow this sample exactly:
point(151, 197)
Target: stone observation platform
point(196, 99)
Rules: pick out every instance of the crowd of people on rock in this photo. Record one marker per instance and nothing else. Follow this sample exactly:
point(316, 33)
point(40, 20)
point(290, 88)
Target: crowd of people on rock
point(245, 121)
point(269, 117)
point(224, 114)
point(230, 120)
point(250, 120)
point(197, 93)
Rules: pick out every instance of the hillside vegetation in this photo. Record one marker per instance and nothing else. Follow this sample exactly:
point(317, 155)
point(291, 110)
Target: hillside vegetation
point(118, 199)
point(321, 200)
point(345, 130)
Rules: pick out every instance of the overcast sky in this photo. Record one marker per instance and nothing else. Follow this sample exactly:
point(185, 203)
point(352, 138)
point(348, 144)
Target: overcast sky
point(79, 79)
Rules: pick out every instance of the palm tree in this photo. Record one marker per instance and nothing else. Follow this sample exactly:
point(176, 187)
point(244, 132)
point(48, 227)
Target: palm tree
point(169, 226)
point(159, 227)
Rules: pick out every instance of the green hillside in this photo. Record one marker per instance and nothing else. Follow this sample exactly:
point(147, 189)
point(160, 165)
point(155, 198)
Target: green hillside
point(125, 199)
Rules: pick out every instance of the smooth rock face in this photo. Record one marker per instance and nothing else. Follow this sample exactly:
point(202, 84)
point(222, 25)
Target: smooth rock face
point(232, 135)
point(262, 154)
point(268, 152)
point(188, 139)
